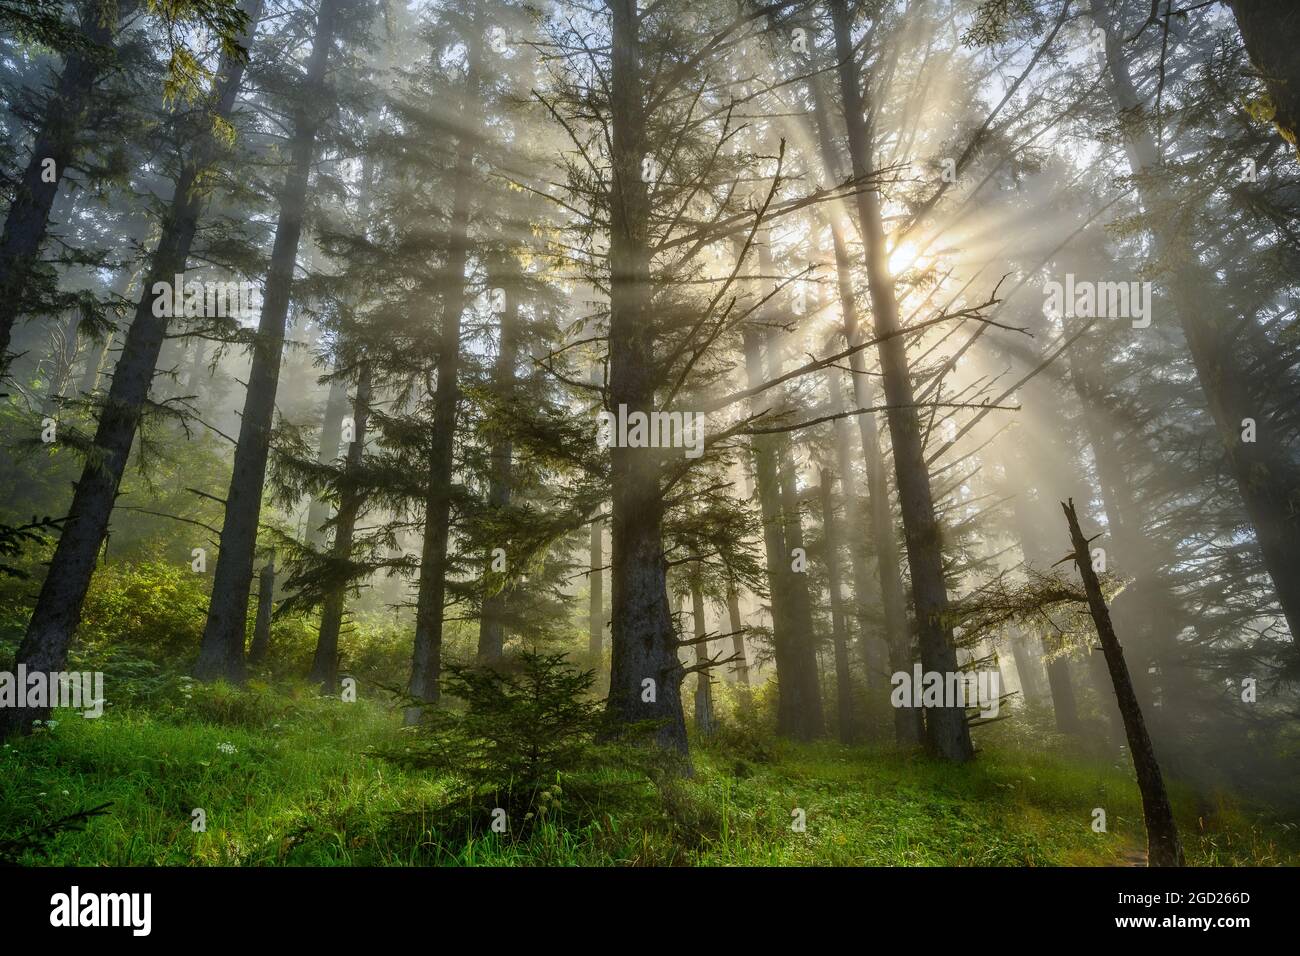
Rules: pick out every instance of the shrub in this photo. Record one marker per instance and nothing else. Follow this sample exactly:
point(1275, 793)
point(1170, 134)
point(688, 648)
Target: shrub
point(524, 727)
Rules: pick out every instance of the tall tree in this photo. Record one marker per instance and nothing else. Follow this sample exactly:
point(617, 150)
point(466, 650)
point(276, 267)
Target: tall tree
point(324, 667)
point(947, 735)
point(221, 654)
point(426, 663)
point(63, 592)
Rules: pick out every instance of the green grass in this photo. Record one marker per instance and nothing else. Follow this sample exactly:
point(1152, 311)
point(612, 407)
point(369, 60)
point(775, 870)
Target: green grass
point(299, 788)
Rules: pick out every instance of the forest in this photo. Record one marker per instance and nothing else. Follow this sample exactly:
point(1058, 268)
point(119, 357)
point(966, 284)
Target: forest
point(616, 433)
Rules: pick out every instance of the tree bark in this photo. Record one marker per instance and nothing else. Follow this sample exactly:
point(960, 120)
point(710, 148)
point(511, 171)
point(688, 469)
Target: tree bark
point(426, 663)
point(1271, 30)
point(703, 680)
point(221, 654)
point(325, 665)
point(596, 598)
point(947, 734)
point(805, 690)
point(785, 619)
point(839, 625)
point(643, 641)
point(331, 433)
point(596, 576)
point(909, 724)
point(491, 632)
point(737, 636)
point(1163, 845)
point(265, 602)
point(63, 592)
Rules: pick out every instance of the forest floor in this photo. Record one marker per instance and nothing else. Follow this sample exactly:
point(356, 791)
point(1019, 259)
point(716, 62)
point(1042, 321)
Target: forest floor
point(299, 784)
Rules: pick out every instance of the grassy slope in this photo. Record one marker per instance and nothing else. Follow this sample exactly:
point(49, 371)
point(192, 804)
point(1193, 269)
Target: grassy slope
point(300, 789)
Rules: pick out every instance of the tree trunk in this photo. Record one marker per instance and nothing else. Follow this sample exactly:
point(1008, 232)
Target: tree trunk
point(596, 599)
point(58, 608)
point(947, 734)
point(645, 671)
point(839, 626)
point(805, 691)
point(596, 576)
point(703, 680)
point(1065, 708)
point(491, 631)
point(737, 636)
point(331, 433)
point(1028, 670)
point(197, 367)
point(265, 602)
point(909, 725)
point(785, 623)
point(1163, 845)
point(221, 655)
point(1271, 30)
point(325, 665)
point(27, 221)
point(426, 663)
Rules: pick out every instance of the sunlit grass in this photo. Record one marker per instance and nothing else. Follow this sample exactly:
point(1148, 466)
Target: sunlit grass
point(303, 791)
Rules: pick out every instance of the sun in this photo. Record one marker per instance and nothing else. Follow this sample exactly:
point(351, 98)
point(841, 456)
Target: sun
point(902, 258)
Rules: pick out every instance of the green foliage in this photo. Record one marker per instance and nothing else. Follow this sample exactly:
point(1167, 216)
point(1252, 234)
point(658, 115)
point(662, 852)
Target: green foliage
point(34, 841)
point(156, 608)
point(13, 538)
point(523, 727)
point(997, 20)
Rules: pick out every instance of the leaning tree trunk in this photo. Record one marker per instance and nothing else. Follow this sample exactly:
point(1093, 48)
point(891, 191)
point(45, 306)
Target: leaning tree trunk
point(947, 734)
point(58, 608)
point(28, 218)
point(325, 665)
point(645, 672)
point(426, 662)
point(839, 626)
point(491, 632)
point(221, 654)
point(262, 623)
point(1163, 845)
point(1271, 30)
